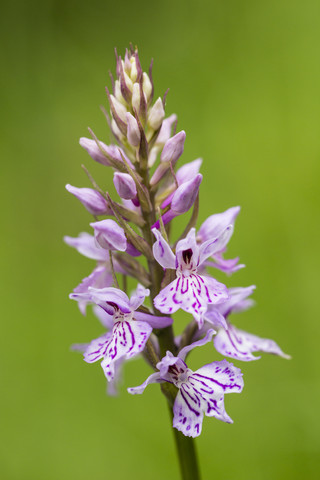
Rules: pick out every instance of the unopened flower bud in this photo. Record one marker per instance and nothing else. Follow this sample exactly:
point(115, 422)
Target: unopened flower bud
point(185, 195)
point(165, 130)
point(119, 108)
point(173, 148)
point(156, 115)
point(128, 81)
point(136, 97)
point(117, 132)
point(118, 94)
point(133, 132)
point(147, 86)
point(92, 200)
point(109, 235)
point(125, 185)
point(134, 70)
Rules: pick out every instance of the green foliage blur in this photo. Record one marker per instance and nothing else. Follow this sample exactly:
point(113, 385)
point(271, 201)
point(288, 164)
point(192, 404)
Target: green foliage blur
point(244, 80)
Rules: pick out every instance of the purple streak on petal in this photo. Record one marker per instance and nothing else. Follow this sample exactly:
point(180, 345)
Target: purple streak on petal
point(186, 418)
point(221, 374)
point(111, 299)
point(96, 349)
point(192, 294)
point(128, 339)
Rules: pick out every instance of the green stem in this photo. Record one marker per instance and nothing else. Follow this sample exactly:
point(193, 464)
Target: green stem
point(185, 446)
point(187, 455)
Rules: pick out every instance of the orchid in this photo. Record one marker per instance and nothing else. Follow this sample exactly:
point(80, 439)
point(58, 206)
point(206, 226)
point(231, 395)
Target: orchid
point(129, 329)
point(190, 291)
point(132, 243)
point(199, 393)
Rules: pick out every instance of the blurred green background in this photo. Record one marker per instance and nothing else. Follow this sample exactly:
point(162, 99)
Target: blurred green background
point(244, 80)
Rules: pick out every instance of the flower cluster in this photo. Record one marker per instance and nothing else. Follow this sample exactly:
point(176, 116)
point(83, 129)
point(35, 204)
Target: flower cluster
point(152, 192)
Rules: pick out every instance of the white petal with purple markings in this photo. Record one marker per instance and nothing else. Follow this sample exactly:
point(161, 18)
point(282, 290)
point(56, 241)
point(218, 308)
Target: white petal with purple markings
point(128, 339)
point(192, 294)
point(238, 344)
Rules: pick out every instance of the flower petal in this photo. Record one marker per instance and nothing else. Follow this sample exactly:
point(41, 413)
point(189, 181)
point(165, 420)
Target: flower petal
point(99, 278)
point(138, 296)
point(154, 322)
point(153, 378)
point(110, 298)
point(238, 344)
point(228, 266)
point(237, 301)
point(214, 317)
point(96, 349)
point(128, 339)
point(214, 225)
point(223, 376)
point(86, 245)
point(162, 251)
point(216, 244)
point(192, 294)
point(188, 411)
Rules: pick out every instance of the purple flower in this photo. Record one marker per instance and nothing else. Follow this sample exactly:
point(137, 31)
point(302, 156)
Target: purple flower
point(92, 200)
point(109, 235)
point(199, 393)
point(190, 291)
point(130, 331)
point(212, 227)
